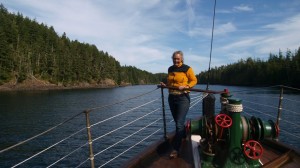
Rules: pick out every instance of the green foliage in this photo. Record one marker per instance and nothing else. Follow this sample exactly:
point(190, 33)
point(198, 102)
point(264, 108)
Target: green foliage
point(28, 48)
point(277, 70)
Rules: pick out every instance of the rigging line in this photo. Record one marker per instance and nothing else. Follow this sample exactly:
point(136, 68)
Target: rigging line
point(254, 90)
point(290, 134)
point(40, 134)
point(130, 147)
point(42, 151)
point(260, 112)
point(124, 125)
point(295, 112)
point(123, 112)
point(290, 122)
point(198, 100)
point(67, 155)
point(82, 162)
point(100, 107)
point(248, 95)
point(211, 44)
point(127, 137)
point(272, 116)
point(196, 97)
point(291, 100)
point(287, 87)
point(261, 104)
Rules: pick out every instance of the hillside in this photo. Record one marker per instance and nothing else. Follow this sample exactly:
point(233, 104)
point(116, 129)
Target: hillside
point(33, 55)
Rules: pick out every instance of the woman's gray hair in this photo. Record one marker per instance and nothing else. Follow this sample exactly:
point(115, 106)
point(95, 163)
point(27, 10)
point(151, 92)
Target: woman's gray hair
point(178, 52)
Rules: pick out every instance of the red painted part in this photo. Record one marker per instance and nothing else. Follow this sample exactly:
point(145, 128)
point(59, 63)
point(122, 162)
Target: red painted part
point(223, 120)
point(188, 126)
point(277, 130)
point(253, 149)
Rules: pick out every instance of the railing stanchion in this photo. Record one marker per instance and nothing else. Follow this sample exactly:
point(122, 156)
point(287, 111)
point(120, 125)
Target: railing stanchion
point(88, 127)
point(164, 114)
point(279, 106)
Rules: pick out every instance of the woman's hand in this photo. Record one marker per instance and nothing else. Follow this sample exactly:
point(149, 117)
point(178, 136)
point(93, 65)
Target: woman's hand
point(183, 87)
point(162, 84)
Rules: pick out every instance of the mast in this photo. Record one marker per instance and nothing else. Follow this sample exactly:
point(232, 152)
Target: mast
point(211, 44)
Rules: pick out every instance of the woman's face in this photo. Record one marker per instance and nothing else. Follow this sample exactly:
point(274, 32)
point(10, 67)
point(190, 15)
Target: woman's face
point(177, 60)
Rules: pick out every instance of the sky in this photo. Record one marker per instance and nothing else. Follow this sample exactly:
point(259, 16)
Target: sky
point(145, 33)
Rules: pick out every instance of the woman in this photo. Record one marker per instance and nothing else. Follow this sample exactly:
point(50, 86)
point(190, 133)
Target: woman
point(182, 77)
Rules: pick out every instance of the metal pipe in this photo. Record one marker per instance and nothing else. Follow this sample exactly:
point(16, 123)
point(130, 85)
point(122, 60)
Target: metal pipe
point(88, 127)
point(164, 114)
point(192, 89)
point(279, 106)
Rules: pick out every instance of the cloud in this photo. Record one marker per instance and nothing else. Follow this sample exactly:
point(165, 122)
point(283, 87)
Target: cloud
point(242, 8)
point(280, 35)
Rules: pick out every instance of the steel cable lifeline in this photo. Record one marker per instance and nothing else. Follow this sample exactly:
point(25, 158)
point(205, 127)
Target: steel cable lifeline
point(260, 112)
point(124, 125)
point(291, 134)
point(292, 100)
point(67, 155)
point(67, 120)
point(128, 136)
point(143, 94)
point(260, 104)
point(125, 139)
point(124, 112)
point(42, 151)
point(272, 107)
point(131, 147)
point(247, 95)
point(40, 134)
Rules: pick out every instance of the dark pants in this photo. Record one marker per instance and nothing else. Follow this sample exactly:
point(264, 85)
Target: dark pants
point(179, 106)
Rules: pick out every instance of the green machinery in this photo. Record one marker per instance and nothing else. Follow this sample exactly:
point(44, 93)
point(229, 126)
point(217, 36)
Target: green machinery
point(229, 139)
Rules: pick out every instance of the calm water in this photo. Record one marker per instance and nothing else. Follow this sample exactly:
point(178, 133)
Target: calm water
point(26, 113)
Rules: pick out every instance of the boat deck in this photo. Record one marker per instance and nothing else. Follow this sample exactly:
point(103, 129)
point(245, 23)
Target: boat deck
point(157, 156)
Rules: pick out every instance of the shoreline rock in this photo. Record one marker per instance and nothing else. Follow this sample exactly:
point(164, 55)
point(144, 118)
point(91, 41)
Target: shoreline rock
point(36, 84)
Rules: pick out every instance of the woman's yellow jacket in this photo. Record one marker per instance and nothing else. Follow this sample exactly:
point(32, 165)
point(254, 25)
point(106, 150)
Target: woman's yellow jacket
point(181, 76)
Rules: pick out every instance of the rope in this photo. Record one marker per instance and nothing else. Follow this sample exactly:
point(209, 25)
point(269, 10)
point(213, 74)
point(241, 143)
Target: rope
point(123, 112)
point(131, 147)
point(123, 100)
point(40, 134)
point(234, 108)
point(42, 151)
point(125, 125)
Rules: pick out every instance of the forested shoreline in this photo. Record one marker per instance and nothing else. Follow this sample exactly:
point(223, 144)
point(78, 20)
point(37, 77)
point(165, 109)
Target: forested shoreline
point(33, 51)
point(34, 56)
point(277, 70)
